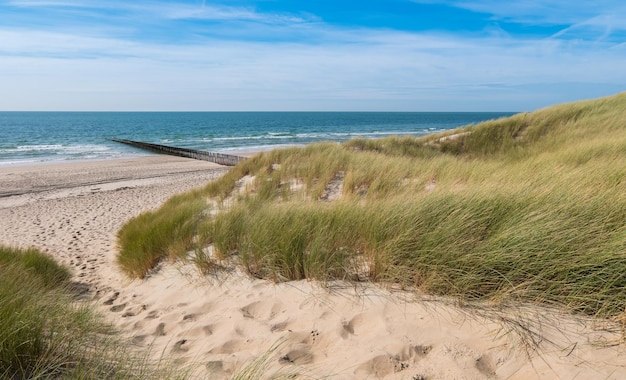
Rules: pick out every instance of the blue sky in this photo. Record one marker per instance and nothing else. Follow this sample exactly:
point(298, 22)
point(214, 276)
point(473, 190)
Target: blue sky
point(317, 55)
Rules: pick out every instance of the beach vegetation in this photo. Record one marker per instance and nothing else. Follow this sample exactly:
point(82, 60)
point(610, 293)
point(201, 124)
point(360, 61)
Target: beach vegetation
point(153, 236)
point(528, 208)
point(46, 334)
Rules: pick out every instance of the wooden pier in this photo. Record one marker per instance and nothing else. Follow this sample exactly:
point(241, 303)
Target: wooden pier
point(218, 158)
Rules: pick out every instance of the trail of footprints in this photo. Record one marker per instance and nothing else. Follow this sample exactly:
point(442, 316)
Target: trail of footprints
point(72, 240)
point(301, 347)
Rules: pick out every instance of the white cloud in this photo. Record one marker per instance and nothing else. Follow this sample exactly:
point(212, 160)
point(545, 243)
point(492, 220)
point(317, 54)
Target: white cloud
point(343, 69)
point(20, 42)
point(366, 70)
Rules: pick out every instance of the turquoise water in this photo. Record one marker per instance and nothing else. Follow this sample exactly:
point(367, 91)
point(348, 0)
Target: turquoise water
point(36, 137)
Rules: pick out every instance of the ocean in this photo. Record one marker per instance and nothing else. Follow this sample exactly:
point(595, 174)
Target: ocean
point(40, 137)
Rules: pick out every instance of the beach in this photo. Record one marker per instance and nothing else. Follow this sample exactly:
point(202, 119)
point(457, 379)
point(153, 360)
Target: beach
point(216, 324)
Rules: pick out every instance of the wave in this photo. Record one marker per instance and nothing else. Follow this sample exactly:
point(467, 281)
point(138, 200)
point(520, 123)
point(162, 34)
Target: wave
point(305, 137)
point(29, 154)
point(18, 162)
point(56, 147)
point(26, 148)
point(255, 148)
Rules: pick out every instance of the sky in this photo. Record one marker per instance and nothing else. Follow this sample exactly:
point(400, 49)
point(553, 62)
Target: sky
point(315, 55)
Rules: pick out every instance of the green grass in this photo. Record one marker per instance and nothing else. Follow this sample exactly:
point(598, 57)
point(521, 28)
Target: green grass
point(44, 334)
point(153, 236)
point(528, 208)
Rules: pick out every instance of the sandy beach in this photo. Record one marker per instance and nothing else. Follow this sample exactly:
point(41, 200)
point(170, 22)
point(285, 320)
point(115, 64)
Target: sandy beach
point(218, 324)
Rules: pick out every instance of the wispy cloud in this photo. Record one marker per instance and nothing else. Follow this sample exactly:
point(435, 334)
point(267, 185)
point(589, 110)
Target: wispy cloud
point(166, 22)
point(390, 70)
point(47, 3)
point(212, 12)
point(554, 12)
point(597, 20)
point(169, 10)
point(602, 27)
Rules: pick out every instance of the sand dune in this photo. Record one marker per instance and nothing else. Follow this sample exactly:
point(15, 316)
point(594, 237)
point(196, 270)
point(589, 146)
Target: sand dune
point(220, 323)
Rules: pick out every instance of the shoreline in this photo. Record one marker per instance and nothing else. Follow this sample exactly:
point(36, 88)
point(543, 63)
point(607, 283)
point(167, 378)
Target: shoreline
point(219, 323)
point(20, 165)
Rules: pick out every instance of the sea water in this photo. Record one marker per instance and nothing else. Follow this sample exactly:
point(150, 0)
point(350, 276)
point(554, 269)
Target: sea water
point(38, 137)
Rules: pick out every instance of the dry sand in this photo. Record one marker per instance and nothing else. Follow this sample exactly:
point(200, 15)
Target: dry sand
point(218, 324)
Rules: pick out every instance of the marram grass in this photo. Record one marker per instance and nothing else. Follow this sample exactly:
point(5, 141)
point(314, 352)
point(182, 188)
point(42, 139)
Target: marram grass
point(528, 208)
point(45, 334)
point(152, 236)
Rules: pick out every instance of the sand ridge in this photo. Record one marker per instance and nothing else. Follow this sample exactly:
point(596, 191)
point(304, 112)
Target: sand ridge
point(219, 323)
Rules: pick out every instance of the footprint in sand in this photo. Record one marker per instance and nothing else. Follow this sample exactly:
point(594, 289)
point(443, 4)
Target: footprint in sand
point(384, 365)
point(118, 308)
point(139, 325)
point(160, 330)
point(173, 317)
point(264, 310)
point(189, 317)
point(229, 347)
point(112, 299)
point(153, 314)
point(485, 365)
point(278, 327)
point(182, 345)
point(299, 354)
point(412, 353)
point(215, 366)
point(139, 339)
point(381, 366)
point(365, 323)
point(347, 329)
point(200, 330)
point(133, 311)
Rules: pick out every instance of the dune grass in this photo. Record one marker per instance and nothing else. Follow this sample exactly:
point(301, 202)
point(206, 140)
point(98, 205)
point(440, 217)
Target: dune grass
point(153, 236)
point(528, 208)
point(44, 334)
